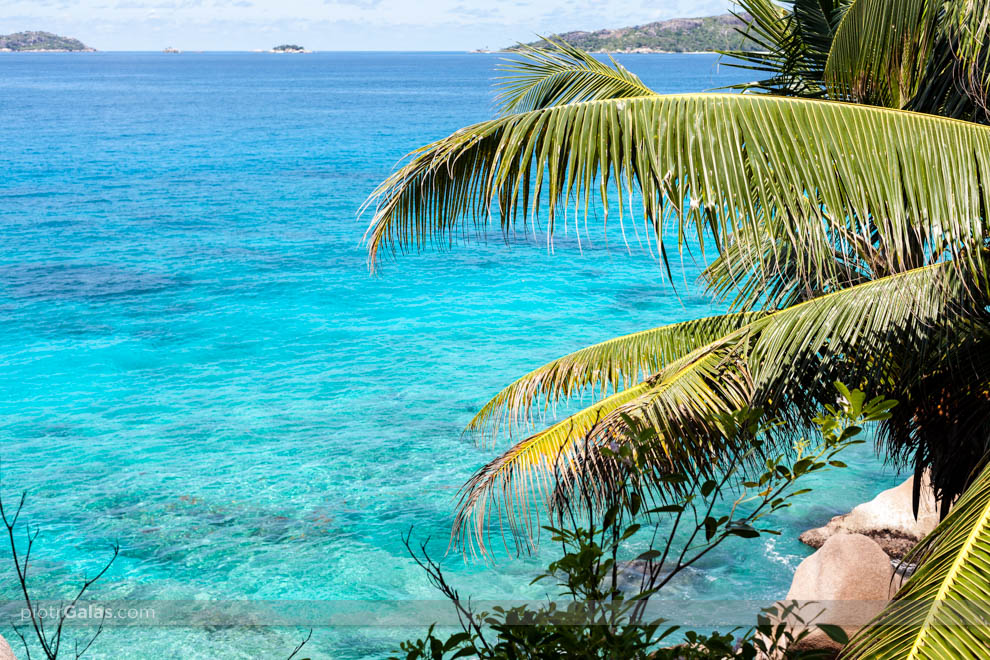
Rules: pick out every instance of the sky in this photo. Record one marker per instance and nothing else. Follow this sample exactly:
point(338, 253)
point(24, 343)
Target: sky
point(331, 24)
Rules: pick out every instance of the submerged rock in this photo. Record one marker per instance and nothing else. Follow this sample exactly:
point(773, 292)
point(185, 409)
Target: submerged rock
point(888, 519)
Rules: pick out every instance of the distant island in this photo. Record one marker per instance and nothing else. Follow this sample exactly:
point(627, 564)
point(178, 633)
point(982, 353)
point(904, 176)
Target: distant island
point(678, 35)
point(289, 48)
point(21, 42)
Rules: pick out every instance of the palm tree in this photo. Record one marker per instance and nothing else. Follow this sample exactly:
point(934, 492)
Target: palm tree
point(846, 198)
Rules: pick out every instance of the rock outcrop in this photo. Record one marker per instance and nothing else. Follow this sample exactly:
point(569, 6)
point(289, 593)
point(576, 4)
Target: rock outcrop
point(6, 653)
point(888, 519)
point(845, 583)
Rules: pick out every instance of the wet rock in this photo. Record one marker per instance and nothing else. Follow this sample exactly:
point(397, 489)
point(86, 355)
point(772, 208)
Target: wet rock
point(888, 519)
point(845, 583)
point(6, 653)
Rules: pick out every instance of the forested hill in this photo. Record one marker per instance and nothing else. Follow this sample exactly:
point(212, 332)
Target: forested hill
point(678, 35)
point(28, 41)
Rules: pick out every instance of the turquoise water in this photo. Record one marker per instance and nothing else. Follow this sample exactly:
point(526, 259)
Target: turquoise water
point(197, 364)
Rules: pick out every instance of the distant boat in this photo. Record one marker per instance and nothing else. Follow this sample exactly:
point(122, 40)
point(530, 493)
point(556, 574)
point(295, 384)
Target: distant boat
point(171, 50)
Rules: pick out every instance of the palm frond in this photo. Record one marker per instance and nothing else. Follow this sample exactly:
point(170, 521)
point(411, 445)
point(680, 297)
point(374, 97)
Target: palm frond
point(518, 481)
point(515, 486)
point(559, 74)
point(792, 45)
point(711, 162)
point(835, 336)
point(794, 355)
point(965, 27)
point(612, 365)
point(943, 610)
point(783, 363)
point(676, 425)
point(880, 51)
point(967, 23)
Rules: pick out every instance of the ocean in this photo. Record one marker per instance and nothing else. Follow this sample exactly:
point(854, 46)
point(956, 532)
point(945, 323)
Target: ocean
point(197, 364)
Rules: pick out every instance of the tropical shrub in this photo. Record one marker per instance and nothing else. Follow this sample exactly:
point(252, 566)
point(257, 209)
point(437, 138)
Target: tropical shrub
point(599, 617)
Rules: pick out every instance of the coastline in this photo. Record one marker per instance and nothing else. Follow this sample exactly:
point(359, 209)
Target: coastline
point(630, 51)
point(48, 50)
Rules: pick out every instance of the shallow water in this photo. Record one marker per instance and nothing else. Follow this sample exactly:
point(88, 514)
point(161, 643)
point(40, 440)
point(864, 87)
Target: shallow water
point(197, 364)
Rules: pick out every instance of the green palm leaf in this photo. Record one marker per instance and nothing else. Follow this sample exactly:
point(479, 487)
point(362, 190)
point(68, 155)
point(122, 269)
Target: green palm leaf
point(610, 365)
point(880, 49)
point(791, 357)
point(943, 611)
point(793, 45)
point(714, 162)
point(778, 362)
point(559, 74)
point(514, 485)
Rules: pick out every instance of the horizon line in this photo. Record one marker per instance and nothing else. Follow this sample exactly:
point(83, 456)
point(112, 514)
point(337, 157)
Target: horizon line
point(477, 51)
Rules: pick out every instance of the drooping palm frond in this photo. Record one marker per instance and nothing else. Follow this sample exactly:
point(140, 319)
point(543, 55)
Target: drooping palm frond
point(559, 74)
point(814, 336)
point(707, 162)
point(795, 354)
point(783, 363)
point(517, 485)
point(612, 365)
point(943, 611)
point(519, 481)
point(880, 51)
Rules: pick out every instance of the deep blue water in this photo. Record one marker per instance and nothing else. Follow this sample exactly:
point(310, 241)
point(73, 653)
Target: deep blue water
point(196, 363)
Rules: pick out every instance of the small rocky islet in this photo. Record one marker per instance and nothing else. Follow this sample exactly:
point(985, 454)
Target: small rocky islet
point(289, 48)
